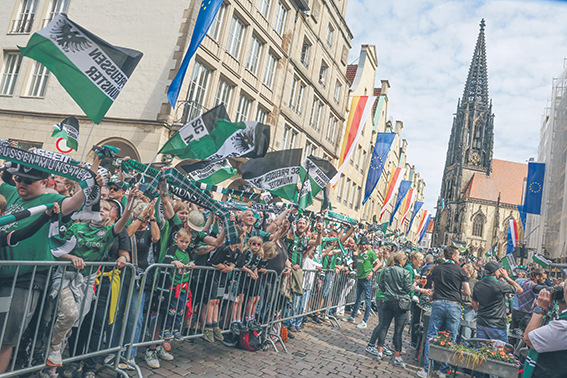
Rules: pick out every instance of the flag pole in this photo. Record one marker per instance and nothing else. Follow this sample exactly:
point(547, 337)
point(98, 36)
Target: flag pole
point(87, 141)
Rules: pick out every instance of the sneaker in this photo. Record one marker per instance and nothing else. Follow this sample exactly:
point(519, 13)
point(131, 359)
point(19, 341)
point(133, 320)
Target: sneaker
point(54, 358)
point(440, 374)
point(362, 324)
point(379, 357)
point(209, 334)
point(46, 373)
point(349, 319)
point(128, 366)
point(167, 335)
point(218, 334)
point(89, 374)
point(399, 363)
point(393, 348)
point(177, 335)
point(290, 335)
point(108, 359)
point(387, 351)
point(372, 350)
point(152, 358)
point(316, 320)
point(163, 354)
point(234, 328)
point(422, 373)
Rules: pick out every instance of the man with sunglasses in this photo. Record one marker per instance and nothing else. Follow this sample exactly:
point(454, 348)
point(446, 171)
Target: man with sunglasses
point(117, 190)
point(29, 191)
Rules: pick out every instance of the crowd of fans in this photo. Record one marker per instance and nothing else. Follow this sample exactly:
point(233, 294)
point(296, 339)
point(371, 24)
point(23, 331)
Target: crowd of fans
point(321, 262)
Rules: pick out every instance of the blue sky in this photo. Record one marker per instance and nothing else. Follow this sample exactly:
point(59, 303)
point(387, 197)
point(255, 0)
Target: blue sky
point(424, 49)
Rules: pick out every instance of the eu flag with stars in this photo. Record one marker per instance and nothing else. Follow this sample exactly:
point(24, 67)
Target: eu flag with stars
point(207, 13)
point(379, 156)
point(534, 188)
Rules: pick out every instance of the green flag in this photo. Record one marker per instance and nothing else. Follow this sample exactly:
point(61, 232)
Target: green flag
point(541, 260)
point(68, 129)
point(210, 172)
point(509, 262)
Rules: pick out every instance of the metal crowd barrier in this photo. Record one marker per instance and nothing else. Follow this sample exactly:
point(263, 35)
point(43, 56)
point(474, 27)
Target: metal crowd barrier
point(131, 308)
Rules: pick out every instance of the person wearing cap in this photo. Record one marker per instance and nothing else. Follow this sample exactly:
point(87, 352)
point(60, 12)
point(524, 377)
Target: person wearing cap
point(367, 265)
point(29, 191)
point(488, 300)
point(522, 313)
point(117, 190)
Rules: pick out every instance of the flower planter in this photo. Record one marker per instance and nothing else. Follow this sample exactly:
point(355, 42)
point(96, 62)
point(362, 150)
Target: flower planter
point(498, 368)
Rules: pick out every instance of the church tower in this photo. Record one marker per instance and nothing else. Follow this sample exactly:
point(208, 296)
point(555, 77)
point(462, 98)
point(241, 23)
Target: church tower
point(470, 148)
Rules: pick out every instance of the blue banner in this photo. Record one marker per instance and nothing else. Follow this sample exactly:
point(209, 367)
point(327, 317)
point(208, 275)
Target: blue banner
point(207, 13)
point(534, 188)
point(377, 162)
point(424, 228)
point(405, 185)
point(416, 207)
point(509, 242)
point(523, 215)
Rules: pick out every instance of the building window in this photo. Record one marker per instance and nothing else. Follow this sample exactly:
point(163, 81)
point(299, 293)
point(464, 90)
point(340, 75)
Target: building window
point(196, 92)
point(24, 18)
point(299, 98)
point(337, 95)
point(310, 149)
point(10, 71)
point(345, 198)
point(323, 74)
point(358, 153)
point(281, 14)
point(289, 137)
point(254, 55)
point(478, 225)
point(235, 37)
point(352, 194)
point(215, 29)
point(296, 95)
point(261, 115)
point(363, 163)
point(340, 191)
point(55, 7)
point(316, 110)
point(331, 129)
point(223, 93)
point(243, 108)
point(358, 194)
point(264, 7)
point(38, 83)
point(305, 50)
point(330, 34)
point(270, 71)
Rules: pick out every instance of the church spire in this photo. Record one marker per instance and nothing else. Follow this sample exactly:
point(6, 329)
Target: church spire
point(476, 88)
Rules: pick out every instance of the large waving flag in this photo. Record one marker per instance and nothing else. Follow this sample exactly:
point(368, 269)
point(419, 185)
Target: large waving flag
point(402, 192)
point(393, 185)
point(377, 162)
point(513, 236)
point(210, 172)
point(416, 207)
point(315, 174)
point(358, 114)
point(207, 13)
point(90, 69)
point(534, 188)
point(277, 172)
point(424, 230)
point(421, 226)
point(406, 207)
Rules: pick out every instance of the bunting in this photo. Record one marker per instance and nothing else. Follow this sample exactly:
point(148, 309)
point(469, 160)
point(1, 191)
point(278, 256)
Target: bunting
point(393, 185)
point(406, 207)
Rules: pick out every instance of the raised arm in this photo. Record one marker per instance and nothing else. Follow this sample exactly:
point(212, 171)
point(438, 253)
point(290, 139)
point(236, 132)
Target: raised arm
point(273, 227)
point(168, 212)
point(119, 226)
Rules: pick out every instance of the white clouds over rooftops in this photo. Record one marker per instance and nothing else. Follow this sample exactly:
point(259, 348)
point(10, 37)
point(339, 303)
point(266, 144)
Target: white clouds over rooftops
point(424, 50)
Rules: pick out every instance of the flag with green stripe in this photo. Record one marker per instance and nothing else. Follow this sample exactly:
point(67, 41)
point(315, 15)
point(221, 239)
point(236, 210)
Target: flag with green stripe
point(210, 172)
point(541, 260)
point(90, 69)
point(68, 129)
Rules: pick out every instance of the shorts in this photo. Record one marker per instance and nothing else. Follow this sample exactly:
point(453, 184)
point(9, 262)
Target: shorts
point(207, 286)
point(17, 313)
point(248, 286)
point(327, 283)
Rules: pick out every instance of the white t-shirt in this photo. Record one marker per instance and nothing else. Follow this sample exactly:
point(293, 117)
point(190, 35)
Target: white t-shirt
point(551, 337)
point(309, 274)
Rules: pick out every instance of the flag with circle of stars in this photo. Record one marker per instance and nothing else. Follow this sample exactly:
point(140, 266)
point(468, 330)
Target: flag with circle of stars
point(377, 162)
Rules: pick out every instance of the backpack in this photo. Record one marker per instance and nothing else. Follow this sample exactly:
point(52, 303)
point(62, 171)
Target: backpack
point(250, 340)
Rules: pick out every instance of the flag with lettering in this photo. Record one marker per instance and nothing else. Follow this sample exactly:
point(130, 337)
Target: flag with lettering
point(68, 129)
point(90, 69)
point(210, 172)
point(277, 173)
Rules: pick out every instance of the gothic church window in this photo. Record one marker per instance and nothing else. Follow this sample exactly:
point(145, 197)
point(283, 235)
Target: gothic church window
point(478, 225)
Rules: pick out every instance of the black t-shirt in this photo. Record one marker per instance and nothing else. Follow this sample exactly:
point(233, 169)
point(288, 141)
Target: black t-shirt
point(122, 243)
point(143, 246)
point(249, 260)
point(490, 295)
point(278, 262)
point(448, 279)
point(223, 255)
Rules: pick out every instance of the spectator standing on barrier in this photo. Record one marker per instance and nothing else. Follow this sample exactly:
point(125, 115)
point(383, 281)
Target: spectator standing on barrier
point(489, 300)
point(548, 343)
point(522, 314)
point(468, 312)
point(397, 285)
point(449, 281)
point(366, 267)
point(29, 191)
point(415, 262)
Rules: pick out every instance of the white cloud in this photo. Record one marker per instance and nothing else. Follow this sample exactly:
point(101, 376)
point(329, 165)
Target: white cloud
point(424, 50)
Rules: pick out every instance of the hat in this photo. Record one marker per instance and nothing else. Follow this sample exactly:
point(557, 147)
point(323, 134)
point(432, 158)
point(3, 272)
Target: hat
point(195, 220)
point(119, 183)
point(363, 241)
point(491, 267)
point(27, 172)
point(118, 204)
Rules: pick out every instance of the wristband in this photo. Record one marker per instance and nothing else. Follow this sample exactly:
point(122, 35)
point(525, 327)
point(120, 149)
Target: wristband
point(152, 220)
point(140, 219)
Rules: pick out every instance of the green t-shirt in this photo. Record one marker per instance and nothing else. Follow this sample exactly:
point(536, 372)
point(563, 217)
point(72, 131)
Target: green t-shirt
point(92, 243)
point(409, 267)
point(176, 254)
point(168, 234)
point(364, 263)
point(35, 248)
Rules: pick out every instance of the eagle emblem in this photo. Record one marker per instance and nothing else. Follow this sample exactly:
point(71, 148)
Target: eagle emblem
point(68, 39)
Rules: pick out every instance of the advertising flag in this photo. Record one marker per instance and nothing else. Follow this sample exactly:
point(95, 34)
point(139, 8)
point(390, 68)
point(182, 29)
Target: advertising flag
point(534, 188)
point(393, 185)
point(68, 129)
point(359, 110)
point(377, 162)
point(90, 69)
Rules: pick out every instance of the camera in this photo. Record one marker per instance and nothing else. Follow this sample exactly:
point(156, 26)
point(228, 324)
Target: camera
point(556, 291)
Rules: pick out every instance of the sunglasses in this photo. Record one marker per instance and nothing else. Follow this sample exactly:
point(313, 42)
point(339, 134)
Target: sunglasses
point(25, 180)
point(256, 244)
point(114, 189)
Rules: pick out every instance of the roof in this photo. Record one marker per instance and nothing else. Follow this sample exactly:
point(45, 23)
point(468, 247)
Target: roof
point(377, 94)
point(351, 72)
point(506, 180)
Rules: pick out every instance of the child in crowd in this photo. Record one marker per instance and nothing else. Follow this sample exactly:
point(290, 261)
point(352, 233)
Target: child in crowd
point(249, 285)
